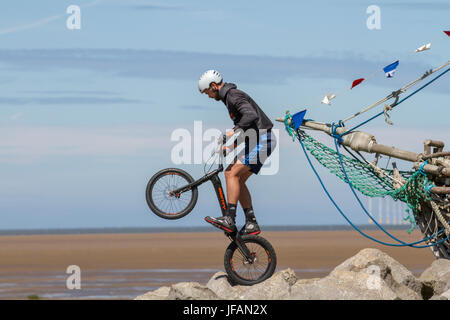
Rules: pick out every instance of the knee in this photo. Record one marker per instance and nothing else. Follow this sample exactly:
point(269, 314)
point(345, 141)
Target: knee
point(229, 174)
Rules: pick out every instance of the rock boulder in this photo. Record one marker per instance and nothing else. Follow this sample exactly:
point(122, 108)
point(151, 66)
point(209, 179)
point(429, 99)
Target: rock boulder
point(369, 275)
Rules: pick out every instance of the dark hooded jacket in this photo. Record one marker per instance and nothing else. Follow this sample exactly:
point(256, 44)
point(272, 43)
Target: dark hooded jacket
point(244, 112)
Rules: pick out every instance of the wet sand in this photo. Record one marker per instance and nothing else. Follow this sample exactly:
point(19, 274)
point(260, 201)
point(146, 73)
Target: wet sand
point(109, 263)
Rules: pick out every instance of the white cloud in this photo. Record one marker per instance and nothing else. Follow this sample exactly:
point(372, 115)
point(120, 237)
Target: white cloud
point(16, 116)
point(31, 25)
point(26, 144)
point(40, 22)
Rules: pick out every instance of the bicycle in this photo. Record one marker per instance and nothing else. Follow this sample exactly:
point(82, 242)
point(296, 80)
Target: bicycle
point(172, 193)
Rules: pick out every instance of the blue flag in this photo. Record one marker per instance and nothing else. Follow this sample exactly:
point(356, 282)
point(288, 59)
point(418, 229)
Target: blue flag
point(298, 118)
point(390, 69)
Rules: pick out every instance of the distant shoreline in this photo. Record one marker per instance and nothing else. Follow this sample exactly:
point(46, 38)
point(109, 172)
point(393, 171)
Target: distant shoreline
point(137, 230)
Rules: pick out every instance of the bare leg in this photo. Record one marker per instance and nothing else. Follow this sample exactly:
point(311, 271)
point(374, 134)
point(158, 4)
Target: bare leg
point(233, 177)
point(244, 198)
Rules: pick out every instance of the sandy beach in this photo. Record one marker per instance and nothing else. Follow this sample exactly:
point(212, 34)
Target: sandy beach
point(122, 266)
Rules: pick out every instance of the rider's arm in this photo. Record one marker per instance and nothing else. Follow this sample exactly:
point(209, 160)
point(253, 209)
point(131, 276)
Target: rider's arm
point(247, 111)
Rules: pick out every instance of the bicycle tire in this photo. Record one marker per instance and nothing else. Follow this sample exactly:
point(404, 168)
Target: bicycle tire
point(231, 267)
point(151, 194)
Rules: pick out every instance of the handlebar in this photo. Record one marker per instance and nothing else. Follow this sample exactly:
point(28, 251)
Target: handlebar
point(220, 147)
point(221, 142)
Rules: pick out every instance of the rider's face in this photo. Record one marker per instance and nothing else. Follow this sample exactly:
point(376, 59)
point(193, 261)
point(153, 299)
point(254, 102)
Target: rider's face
point(212, 92)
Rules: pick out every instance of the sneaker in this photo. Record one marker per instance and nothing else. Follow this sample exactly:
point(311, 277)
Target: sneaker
point(251, 227)
point(225, 223)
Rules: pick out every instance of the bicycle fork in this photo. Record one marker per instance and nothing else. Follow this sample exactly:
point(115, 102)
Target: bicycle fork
point(235, 237)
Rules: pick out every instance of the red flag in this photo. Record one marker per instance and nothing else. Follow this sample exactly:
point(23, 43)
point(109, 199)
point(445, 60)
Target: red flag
point(447, 32)
point(356, 82)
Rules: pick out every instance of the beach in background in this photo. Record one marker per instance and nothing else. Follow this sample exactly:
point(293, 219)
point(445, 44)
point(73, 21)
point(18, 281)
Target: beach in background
point(125, 265)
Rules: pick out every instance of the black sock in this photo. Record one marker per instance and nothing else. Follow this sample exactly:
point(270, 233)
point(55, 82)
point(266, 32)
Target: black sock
point(232, 210)
point(249, 215)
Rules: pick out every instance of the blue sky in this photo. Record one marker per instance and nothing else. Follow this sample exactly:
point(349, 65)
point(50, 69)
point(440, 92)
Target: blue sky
point(86, 115)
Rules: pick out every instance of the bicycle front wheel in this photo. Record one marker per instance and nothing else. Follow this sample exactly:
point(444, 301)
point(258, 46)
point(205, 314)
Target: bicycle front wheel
point(160, 198)
point(243, 272)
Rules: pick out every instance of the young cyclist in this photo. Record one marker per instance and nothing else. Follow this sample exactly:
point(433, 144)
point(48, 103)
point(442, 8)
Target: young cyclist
point(259, 142)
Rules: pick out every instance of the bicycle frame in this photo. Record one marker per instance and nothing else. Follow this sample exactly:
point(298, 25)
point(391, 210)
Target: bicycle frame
point(213, 176)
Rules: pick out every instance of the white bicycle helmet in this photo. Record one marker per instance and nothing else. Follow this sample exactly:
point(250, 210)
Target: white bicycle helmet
point(207, 78)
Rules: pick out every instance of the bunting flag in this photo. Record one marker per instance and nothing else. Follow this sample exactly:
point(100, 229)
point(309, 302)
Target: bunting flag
point(390, 69)
point(424, 47)
point(356, 82)
point(327, 98)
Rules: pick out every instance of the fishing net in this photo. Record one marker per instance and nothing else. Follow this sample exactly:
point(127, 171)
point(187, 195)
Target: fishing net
point(363, 176)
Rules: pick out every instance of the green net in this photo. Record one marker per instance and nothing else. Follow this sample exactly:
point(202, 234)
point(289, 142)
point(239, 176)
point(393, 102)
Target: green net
point(413, 190)
point(362, 176)
point(365, 179)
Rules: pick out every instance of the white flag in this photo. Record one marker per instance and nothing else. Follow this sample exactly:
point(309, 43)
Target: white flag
point(424, 47)
point(327, 98)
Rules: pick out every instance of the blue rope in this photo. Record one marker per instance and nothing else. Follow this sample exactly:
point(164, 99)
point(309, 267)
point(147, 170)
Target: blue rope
point(345, 217)
point(335, 135)
point(426, 184)
point(337, 141)
point(428, 187)
point(422, 172)
point(378, 225)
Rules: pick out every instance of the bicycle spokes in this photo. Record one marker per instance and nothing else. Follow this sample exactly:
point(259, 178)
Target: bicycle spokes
point(247, 269)
point(165, 199)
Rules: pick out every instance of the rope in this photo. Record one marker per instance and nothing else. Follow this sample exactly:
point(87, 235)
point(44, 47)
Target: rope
point(366, 178)
point(298, 134)
point(440, 217)
point(409, 199)
point(402, 100)
point(364, 209)
point(412, 244)
point(396, 94)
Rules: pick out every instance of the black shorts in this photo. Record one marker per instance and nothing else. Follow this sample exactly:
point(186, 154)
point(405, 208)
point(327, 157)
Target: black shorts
point(257, 150)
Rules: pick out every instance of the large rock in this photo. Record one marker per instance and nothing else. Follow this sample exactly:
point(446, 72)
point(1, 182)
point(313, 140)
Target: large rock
point(380, 266)
point(222, 288)
point(342, 285)
point(159, 294)
point(180, 291)
point(276, 287)
point(436, 278)
point(445, 295)
point(369, 275)
point(190, 291)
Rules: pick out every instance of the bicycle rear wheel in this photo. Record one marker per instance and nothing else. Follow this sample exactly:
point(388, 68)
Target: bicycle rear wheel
point(165, 204)
point(241, 271)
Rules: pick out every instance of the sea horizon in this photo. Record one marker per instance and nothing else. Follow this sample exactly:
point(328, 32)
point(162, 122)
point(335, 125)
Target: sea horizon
point(188, 229)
